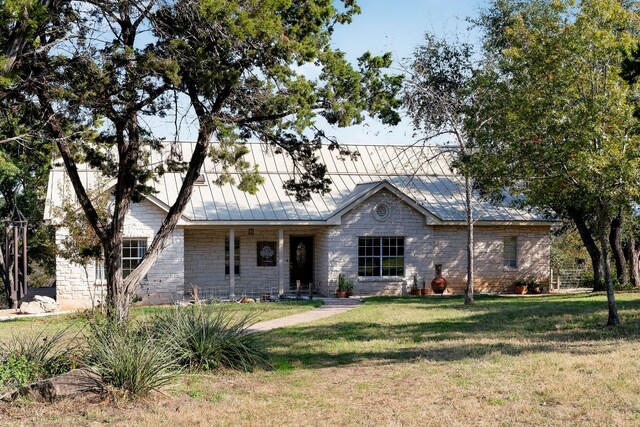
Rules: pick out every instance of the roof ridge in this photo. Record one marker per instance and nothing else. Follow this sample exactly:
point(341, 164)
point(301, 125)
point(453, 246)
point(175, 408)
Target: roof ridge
point(353, 144)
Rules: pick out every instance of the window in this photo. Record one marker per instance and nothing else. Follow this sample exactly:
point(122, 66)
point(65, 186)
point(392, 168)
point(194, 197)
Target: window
point(132, 252)
point(236, 256)
point(101, 276)
point(267, 255)
point(380, 256)
point(511, 252)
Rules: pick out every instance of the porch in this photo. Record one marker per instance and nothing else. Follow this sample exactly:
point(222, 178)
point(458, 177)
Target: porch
point(263, 261)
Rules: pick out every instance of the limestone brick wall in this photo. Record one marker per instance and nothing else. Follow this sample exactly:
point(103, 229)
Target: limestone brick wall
point(533, 252)
point(205, 264)
point(426, 246)
point(402, 221)
point(164, 283)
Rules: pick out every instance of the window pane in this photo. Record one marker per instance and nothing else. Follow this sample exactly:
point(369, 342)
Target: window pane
point(380, 256)
point(133, 251)
point(236, 256)
point(510, 254)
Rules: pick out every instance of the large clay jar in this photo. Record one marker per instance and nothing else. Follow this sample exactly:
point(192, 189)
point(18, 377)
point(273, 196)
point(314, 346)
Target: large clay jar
point(438, 285)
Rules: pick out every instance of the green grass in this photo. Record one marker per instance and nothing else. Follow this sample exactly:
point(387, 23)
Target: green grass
point(31, 326)
point(388, 328)
point(415, 361)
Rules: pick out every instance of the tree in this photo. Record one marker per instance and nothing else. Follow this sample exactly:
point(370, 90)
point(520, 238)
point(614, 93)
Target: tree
point(562, 134)
point(439, 98)
point(235, 63)
point(28, 28)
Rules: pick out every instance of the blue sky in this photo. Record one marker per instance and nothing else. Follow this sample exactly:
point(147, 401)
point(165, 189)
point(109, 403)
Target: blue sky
point(398, 26)
point(395, 26)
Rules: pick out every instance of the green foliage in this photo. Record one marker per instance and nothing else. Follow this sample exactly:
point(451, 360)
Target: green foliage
point(344, 284)
point(129, 359)
point(206, 337)
point(533, 287)
point(16, 371)
point(554, 122)
point(236, 64)
point(558, 116)
point(25, 359)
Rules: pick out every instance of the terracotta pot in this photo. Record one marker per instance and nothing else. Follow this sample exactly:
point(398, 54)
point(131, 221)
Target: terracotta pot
point(341, 294)
point(423, 291)
point(349, 294)
point(521, 289)
point(438, 285)
point(414, 291)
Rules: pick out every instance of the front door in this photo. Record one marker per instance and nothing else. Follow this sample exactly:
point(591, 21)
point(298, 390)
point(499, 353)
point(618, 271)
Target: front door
point(300, 261)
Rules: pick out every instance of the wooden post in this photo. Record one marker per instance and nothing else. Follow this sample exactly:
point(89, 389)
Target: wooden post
point(280, 261)
point(24, 261)
point(16, 270)
point(232, 263)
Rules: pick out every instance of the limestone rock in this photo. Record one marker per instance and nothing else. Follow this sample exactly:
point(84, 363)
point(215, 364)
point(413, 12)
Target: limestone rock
point(48, 304)
point(39, 305)
point(33, 307)
point(66, 386)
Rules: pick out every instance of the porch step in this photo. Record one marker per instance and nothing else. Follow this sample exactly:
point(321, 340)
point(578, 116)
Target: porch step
point(340, 301)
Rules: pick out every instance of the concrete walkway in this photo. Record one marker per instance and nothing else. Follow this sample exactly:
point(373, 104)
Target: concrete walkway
point(332, 306)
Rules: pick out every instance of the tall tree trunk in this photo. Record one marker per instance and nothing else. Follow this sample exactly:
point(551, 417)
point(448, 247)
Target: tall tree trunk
point(117, 299)
point(468, 291)
point(613, 319)
point(615, 240)
point(633, 252)
point(591, 246)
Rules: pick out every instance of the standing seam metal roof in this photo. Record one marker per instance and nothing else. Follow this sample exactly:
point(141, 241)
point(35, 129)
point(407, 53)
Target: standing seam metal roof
point(423, 173)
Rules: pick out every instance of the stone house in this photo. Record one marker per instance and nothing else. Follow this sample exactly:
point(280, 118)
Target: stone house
point(393, 212)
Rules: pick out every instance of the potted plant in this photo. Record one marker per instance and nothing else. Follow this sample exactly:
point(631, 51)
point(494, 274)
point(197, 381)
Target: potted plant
point(341, 292)
point(533, 287)
point(348, 286)
point(423, 291)
point(520, 286)
point(414, 287)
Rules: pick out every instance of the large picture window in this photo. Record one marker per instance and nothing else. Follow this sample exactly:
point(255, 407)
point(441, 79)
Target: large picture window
point(381, 256)
point(510, 252)
point(236, 256)
point(132, 252)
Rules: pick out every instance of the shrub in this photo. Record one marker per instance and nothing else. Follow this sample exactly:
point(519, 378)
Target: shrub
point(23, 360)
point(16, 371)
point(209, 337)
point(129, 359)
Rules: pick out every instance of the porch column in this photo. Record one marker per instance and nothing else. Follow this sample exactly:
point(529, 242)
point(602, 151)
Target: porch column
point(280, 261)
point(232, 263)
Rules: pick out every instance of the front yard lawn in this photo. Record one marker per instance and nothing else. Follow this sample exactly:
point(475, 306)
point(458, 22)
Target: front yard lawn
point(411, 361)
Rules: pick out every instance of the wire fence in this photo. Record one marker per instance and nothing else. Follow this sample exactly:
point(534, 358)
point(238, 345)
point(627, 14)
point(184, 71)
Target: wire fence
point(213, 293)
point(571, 278)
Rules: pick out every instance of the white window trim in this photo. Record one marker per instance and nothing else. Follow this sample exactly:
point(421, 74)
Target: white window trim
point(381, 277)
point(139, 257)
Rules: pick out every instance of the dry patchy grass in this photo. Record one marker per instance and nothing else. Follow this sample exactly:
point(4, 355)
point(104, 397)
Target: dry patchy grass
point(409, 361)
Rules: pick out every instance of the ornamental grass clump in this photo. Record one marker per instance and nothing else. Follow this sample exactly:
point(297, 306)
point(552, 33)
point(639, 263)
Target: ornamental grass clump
point(206, 337)
point(27, 359)
point(129, 359)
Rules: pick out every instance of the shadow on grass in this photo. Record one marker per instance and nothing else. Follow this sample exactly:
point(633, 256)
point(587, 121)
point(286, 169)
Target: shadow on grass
point(394, 330)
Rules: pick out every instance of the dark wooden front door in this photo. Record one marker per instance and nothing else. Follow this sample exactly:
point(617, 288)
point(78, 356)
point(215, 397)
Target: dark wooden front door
point(300, 261)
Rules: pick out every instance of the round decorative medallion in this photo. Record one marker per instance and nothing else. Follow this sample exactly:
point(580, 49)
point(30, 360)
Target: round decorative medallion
point(382, 211)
